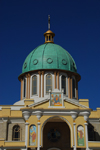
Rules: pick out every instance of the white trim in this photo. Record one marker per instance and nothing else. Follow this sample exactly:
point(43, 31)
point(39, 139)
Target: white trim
point(16, 107)
point(17, 120)
point(70, 128)
point(60, 83)
point(32, 96)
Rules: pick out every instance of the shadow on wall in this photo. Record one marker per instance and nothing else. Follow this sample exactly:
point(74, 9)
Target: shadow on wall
point(93, 132)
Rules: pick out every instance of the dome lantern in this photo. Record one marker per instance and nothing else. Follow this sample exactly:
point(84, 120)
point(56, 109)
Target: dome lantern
point(49, 35)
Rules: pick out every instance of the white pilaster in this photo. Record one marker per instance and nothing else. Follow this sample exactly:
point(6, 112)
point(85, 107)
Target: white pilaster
point(26, 115)
point(86, 134)
point(74, 124)
point(74, 115)
point(38, 148)
point(86, 116)
point(38, 113)
point(26, 133)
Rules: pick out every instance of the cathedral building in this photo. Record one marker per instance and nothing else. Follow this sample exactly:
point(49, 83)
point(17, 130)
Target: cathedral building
point(49, 115)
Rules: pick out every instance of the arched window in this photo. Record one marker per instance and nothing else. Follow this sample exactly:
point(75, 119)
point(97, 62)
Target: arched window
point(34, 85)
point(73, 88)
point(48, 82)
point(64, 83)
point(16, 133)
point(24, 90)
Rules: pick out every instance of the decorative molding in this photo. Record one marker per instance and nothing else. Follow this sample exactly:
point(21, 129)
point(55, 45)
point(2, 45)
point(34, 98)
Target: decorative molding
point(85, 114)
point(39, 114)
point(26, 115)
point(74, 114)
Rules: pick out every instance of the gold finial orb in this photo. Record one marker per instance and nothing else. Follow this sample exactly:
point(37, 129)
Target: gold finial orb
point(49, 36)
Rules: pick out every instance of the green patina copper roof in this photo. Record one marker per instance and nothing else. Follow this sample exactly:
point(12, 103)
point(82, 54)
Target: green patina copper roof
point(49, 56)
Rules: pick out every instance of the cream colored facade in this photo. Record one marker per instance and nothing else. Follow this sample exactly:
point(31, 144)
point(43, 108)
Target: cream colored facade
point(49, 120)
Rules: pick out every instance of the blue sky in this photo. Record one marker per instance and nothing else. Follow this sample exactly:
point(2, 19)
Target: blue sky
point(76, 25)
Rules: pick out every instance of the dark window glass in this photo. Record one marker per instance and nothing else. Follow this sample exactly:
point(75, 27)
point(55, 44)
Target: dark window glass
point(48, 83)
point(34, 85)
point(64, 83)
point(91, 133)
point(73, 87)
point(49, 38)
point(16, 133)
point(24, 88)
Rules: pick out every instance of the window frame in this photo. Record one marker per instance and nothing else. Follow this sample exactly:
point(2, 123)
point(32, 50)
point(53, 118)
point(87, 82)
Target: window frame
point(52, 74)
point(32, 85)
point(36, 74)
point(48, 85)
point(60, 77)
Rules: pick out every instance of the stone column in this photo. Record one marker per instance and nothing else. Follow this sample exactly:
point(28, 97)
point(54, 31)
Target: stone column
point(39, 84)
point(69, 92)
point(71, 88)
point(38, 113)
point(42, 83)
point(76, 89)
point(55, 80)
point(21, 93)
point(58, 80)
point(74, 115)
point(26, 115)
point(26, 132)
point(86, 116)
point(26, 86)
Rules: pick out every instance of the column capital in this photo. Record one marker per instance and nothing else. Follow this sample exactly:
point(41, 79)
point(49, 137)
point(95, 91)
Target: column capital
point(86, 115)
point(38, 114)
point(28, 75)
point(26, 114)
point(74, 123)
point(38, 123)
point(26, 123)
point(39, 72)
point(74, 114)
point(42, 72)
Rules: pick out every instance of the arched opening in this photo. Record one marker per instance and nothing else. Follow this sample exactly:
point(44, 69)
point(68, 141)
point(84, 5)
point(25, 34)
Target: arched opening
point(34, 85)
point(16, 133)
point(64, 83)
point(56, 134)
point(48, 82)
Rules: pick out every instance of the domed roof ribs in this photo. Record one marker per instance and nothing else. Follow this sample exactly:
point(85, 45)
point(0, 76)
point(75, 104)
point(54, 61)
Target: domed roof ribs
point(31, 56)
point(57, 57)
point(43, 55)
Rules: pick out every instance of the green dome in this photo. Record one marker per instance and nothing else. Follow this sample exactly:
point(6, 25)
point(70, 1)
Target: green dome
point(49, 56)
